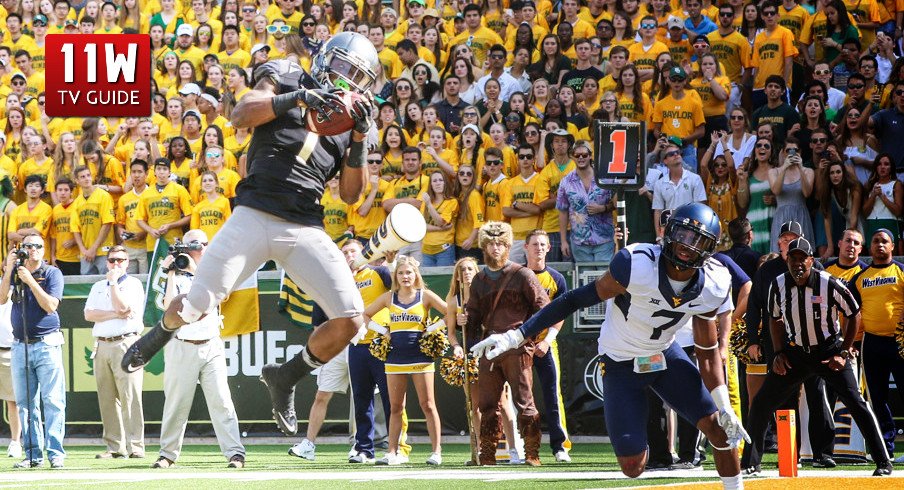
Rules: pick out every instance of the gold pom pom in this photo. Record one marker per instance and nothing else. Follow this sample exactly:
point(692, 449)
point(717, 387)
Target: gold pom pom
point(452, 370)
point(379, 347)
point(434, 344)
point(738, 342)
point(899, 336)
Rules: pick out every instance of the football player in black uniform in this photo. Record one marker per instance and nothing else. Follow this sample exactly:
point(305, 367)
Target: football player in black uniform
point(278, 215)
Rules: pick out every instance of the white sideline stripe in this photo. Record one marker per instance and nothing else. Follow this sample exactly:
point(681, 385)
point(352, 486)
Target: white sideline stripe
point(48, 478)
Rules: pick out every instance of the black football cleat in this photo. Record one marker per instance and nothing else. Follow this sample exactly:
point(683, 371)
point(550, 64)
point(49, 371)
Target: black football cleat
point(282, 399)
point(883, 469)
point(141, 352)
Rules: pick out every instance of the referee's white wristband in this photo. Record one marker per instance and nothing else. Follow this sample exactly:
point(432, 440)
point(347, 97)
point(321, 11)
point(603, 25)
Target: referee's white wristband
point(720, 397)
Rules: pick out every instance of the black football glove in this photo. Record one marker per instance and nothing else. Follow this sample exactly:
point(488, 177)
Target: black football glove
point(323, 101)
point(361, 111)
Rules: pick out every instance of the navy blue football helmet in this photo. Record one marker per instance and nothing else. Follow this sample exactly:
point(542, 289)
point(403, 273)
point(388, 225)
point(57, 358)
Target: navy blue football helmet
point(696, 228)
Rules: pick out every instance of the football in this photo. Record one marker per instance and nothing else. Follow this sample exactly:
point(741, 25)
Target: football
point(337, 123)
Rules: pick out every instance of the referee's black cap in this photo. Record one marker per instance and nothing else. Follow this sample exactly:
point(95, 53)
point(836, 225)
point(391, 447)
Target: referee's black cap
point(792, 227)
point(801, 245)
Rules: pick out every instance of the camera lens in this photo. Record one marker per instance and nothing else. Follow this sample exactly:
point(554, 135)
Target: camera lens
point(181, 262)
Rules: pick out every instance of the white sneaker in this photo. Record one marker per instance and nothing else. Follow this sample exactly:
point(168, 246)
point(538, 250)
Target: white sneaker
point(360, 458)
point(403, 458)
point(563, 457)
point(352, 452)
point(435, 459)
point(304, 449)
point(389, 460)
point(14, 450)
point(514, 458)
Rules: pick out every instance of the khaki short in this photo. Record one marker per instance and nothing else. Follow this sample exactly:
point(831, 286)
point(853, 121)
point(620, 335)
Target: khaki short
point(333, 376)
point(6, 377)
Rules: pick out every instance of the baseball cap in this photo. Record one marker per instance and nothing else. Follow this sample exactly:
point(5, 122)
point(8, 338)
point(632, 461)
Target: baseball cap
point(390, 10)
point(185, 30)
point(190, 88)
point(70, 23)
point(674, 23)
point(472, 127)
point(191, 112)
point(162, 162)
point(18, 74)
point(801, 245)
point(792, 227)
point(419, 2)
point(258, 47)
point(210, 98)
point(40, 18)
point(431, 12)
point(677, 71)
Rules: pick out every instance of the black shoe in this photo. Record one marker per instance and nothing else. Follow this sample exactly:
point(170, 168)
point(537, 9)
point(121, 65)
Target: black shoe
point(237, 461)
point(657, 466)
point(282, 399)
point(752, 471)
point(883, 469)
point(163, 462)
point(824, 462)
point(141, 352)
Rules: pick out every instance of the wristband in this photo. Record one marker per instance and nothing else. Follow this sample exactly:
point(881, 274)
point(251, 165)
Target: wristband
point(283, 103)
point(721, 398)
point(357, 157)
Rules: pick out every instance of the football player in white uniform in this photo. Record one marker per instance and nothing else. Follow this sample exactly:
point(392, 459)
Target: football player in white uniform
point(651, 291)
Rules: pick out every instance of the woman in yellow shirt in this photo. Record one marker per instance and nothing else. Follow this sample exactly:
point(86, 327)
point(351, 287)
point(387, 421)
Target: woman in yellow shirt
point(435, 154)
point(335, 212)
point(15, 125)
point(415, 132)
point(130, 17)
point(470, 151)
point(509, 159)
point(470, 212)
point(180, 155)
point(185, 74)
point(440, 210)
point(38, 163)
point(634, 103)
point(392, 151)
point(211, 213)
point(213, 135)
point(66, 157)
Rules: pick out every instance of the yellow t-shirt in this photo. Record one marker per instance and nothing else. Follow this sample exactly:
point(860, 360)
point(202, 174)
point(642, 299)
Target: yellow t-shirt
point(38, 218)
point(30, 167)
point(547, 188)
point(391, 63)
point(403, 188)
point(365, 226)
point(645, 59)
point(523, 191)
point(680, 50)
point(492, 199)
point(679, 117)
point(880, 292)
point(429, 165)
point(466, 223)
point(733, 51)
point(712, 106)
point(769, 53)
point(628, 110)
point(335, 214)
point(158, 208)
point(480, 42)
point(438, 241)
point(59, 231)
point(89, 215)
point(227, 180)
point(210, 217)
point(127, 210)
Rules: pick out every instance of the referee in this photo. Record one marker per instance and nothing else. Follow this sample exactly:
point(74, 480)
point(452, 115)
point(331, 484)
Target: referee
point(807, 341)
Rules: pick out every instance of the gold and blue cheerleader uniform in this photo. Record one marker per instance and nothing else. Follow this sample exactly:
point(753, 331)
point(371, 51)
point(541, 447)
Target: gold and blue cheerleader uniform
point(407, 323)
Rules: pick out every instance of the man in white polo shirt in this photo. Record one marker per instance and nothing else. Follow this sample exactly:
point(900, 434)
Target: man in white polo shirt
point(116, 306)
point(677, 187)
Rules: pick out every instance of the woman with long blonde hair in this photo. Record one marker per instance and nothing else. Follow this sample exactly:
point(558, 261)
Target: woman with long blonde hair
point(409, 303)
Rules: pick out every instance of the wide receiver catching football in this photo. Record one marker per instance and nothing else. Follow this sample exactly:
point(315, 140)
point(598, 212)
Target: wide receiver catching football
point(278, 215)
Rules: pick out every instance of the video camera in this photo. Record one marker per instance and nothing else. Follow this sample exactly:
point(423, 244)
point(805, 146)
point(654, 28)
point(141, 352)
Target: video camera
point(179, 250)
point(21, 256)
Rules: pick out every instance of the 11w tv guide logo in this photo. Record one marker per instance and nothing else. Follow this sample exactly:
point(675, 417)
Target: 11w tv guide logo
point(98, 75)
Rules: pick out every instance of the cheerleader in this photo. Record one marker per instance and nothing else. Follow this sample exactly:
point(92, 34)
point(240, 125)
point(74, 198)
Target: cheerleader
point(409, 303)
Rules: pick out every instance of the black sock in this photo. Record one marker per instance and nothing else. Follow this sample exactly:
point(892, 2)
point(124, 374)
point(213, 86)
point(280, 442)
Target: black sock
point(298, 367)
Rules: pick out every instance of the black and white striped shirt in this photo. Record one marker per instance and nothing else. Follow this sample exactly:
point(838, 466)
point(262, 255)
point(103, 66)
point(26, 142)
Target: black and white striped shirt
point(810, 312)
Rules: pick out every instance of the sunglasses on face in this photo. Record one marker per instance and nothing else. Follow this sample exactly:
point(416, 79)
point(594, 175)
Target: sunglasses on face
point(648, 26)
point(596, 46)
point(467, 173)
point(272, 29)
point(213, 154)
point(491, 163)
point(374, 162)
point(819, 141)
point(18, 83)
point(821, 72)
point(899, 92)
point(764, 145)
point(582, 155)
point(116, 260)
point(671, 153)
point(534, 133)
point(856, 86)
point(522, 156)
point(250, 9)
point(469, 114)
point(609, 101)
point(307, 24)
point(35, 246)
point(769, 13)
point(726, 14)
point(720, 165)
point(676, 79)
point(737, 118)
point(497, 56)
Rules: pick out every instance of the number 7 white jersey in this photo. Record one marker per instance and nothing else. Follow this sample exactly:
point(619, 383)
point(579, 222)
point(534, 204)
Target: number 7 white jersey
point(644, 320)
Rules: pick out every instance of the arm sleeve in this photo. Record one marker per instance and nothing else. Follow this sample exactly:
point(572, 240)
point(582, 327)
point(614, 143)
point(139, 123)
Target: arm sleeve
point(620, 267)
point(385, 276)
point(54, 283)
point(560, 309)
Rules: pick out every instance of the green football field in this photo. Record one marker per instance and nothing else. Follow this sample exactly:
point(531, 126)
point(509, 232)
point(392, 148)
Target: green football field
point(269, 466)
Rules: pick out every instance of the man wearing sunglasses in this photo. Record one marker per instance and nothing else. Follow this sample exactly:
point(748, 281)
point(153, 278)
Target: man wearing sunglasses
point(678, 186)
point(644, 53)
point(116, 307)
point(822, 72)
point(36, 315)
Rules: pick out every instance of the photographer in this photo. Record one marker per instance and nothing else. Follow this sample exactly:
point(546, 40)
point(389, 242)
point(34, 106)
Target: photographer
point(196, 356)
point(116, 307)
point(36, 328)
